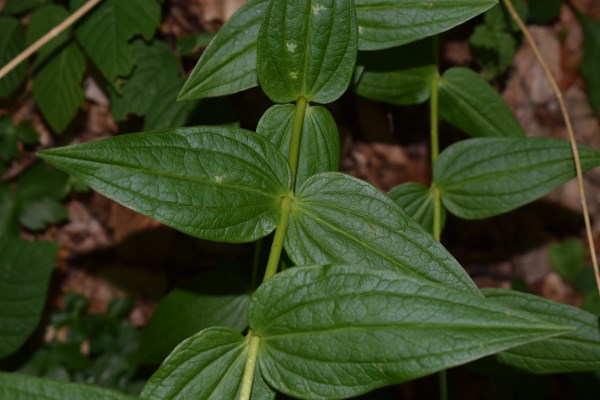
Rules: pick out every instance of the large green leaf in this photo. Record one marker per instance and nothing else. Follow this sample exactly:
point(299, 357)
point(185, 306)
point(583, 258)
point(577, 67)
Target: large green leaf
point(418, 202)
point(340, 219)
point(208, 365)
point(215, 183)
point(307, 49)
point(483, 177)
point(388, 23)
point(337, 331)
point(43, 20)
point(574, 351)
point(12, 42)
point(106, 30)
point(228, 65)
point(156, 68)
point(192, 309)
point(25, 269)
point(57, 86)
point(591, 59)
point(320, 143)
point(468, 102)
point(401, 75)
point(23, 387)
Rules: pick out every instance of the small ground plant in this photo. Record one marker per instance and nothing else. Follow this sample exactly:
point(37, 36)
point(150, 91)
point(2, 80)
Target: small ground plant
point(371, 297)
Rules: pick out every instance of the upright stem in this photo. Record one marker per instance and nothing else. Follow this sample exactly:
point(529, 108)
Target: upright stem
point(250, 367)
point(277, 246)
point(294, 150)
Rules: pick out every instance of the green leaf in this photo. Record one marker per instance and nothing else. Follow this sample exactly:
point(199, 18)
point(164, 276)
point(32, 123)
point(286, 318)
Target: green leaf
point(165, 112)
point(38, 214)
point(43, 20)
point(12, 42)
point(8, 139)
point(25, 268)
point(228, 65)
point(190, 311)
point(21, 6)
point(483, 177)
point(574, 351)
point(307, 49)
point(339, 219)
point(401, 75)
point(105, 32)
point(23, 387)
point(388, 23)
point(320, 144)
point(57, 87)
point(156, 68)
point(591, 59)
point(41, 180)
point(209, 365)
point(468, 102)
point(215, 183)
point(567, 258)
point(338, 331)
point(191, 44)
point(418, 202)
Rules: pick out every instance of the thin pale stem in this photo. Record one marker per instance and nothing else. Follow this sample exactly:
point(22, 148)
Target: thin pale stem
point(434, 106)
point(57, 30)
point(571, 134)
point(248, 377)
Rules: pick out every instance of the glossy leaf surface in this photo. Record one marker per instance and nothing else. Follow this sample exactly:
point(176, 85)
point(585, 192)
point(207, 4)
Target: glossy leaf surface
point(215, 183)
point(338, 331)
point(339, 219)
point(320, 143)
point(208, 364)
point(307, 49)
point(106, 30)
point(12, 42)
point(468, 102)
point(25, 268)
point(417, 200)
point(388, 23)
point(22, 387)
point(228, 65)
point(483, 177)
point(574, 351)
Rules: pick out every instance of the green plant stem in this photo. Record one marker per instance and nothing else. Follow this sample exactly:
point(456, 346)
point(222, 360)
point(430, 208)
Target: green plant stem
point(434, 106)
point(248, 377)
point(277, 245)
point(443, 385)
point(294, 150)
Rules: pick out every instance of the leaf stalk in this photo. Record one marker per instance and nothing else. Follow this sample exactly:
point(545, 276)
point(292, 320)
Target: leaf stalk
point(248, 377)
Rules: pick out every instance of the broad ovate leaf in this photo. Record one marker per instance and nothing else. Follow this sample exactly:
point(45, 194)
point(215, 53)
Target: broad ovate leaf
point(22, 387)
point(401, 75)
point(25, 269)
point(320, 143)
point(208, 365)
point(468, 102)
point(336, 218)
point(388, 23)
point(221, 184)
point(335, 332)
point(418, 202)
point(12, 42)
point(483, 177)
point(574, 351)
point(228, 65)
point(307, 49)
point(106, 30)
